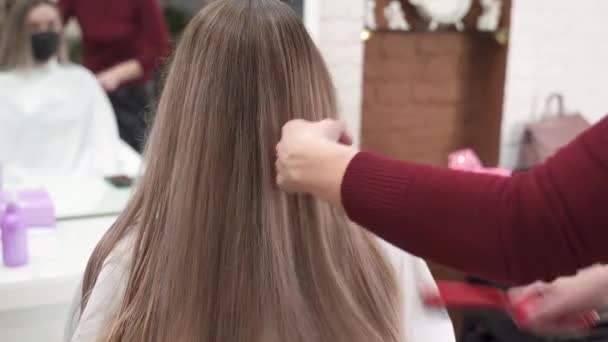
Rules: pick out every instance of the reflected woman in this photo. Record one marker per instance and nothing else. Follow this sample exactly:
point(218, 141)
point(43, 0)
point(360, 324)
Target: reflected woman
point(55, 119)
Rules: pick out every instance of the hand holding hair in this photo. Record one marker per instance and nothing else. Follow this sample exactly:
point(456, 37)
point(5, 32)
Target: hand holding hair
point(312, 158)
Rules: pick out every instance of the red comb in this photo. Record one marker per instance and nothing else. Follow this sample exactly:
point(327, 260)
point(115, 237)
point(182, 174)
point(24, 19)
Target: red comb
point(451, 293)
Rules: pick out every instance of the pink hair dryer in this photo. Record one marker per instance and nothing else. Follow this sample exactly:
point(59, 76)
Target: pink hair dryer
point(467, 160)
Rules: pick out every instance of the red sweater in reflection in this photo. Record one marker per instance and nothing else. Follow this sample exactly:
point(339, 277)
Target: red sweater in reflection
point(539, 224)
point(115, 31)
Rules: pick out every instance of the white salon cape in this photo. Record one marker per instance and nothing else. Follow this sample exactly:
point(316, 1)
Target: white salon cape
point(418, 322)
point(56, 121)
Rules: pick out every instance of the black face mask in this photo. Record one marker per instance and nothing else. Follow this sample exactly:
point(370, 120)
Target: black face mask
point(44, 45)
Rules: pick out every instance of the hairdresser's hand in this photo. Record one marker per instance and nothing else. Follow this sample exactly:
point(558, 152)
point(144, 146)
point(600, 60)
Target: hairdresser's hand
point(109, 80)
point(312, 157)
point(557, 308)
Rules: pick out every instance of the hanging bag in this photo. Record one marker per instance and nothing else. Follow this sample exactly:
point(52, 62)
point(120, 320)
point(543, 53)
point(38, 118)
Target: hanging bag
point(543, 138)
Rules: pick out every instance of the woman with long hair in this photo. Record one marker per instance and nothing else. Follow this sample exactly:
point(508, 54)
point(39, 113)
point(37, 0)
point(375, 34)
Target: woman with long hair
point(209, 249)
point(55, 120)
point(5, 6)
point(32, 35)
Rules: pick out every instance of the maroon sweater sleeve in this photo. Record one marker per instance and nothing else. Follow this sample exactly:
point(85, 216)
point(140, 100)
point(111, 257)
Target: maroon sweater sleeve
point(153, 41)
point(535, 225)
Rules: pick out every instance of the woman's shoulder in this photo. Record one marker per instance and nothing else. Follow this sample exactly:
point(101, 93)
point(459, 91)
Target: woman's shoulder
point(420, 323)
point(106, 295)
point(78, 71)
point(7, 76)
point(123, 251)
point(398, 257)
point(80, 79)
point(116, 267)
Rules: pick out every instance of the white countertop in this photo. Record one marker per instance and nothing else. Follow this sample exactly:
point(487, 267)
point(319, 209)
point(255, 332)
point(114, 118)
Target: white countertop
point(86, 209)
point(57, 262)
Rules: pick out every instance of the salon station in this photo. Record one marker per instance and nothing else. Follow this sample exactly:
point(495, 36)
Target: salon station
point(468, 85)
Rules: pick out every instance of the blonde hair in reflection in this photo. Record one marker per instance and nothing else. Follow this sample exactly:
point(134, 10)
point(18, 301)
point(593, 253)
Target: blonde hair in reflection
point(15, 43)
point(221, 254)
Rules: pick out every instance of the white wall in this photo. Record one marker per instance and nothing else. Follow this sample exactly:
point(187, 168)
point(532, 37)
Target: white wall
point(336, 26)
point(555, 45)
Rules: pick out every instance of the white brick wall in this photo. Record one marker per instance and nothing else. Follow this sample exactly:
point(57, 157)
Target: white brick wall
point(555, 45)
point(336, 27)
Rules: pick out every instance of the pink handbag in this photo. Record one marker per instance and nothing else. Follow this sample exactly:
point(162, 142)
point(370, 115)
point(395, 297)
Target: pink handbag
point(543, 138)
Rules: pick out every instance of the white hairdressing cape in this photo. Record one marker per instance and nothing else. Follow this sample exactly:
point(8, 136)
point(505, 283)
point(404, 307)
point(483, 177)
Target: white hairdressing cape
point(56, 121)
point(418, 322)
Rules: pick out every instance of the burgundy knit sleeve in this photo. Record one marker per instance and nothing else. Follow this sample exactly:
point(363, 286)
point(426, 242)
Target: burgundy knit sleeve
point(535, 225)
point(153, 42)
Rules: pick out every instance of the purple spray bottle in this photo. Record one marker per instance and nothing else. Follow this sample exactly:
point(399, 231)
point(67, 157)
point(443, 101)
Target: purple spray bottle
point(14, 238)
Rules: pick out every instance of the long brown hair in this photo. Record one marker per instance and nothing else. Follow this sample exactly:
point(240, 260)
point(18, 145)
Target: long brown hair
point(221, 254)
point(5, 6)
point(15, 46)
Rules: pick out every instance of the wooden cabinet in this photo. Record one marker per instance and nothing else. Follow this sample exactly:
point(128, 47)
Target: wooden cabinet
point(429, 93)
